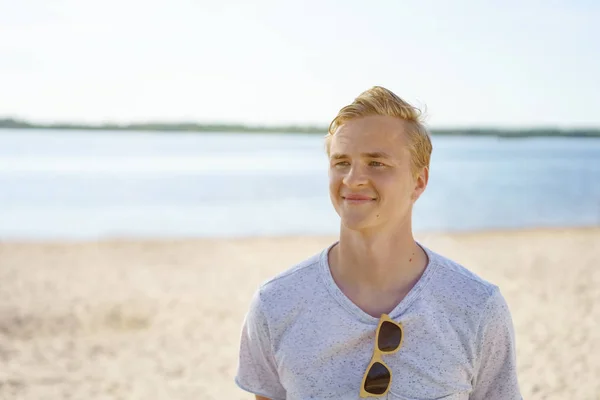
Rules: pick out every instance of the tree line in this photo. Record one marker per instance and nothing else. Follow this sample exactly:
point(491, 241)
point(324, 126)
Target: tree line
point(11, 123)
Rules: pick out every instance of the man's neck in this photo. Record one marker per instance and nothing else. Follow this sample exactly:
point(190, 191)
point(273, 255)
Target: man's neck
point(384, 265)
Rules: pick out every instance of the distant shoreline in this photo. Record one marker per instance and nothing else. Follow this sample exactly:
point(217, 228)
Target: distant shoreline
point(199, 128)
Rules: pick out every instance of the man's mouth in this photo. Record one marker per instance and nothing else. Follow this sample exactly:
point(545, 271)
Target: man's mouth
point(357, 198)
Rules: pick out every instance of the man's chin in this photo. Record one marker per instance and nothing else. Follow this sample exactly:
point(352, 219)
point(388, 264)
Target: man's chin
point(356, 224)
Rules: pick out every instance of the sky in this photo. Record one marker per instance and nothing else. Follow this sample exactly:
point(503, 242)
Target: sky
point(464, 63)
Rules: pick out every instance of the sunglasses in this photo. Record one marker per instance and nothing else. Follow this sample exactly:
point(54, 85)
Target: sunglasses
point(378, 376)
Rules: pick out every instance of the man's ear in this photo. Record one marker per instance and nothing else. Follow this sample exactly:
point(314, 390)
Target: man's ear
point(421, 180)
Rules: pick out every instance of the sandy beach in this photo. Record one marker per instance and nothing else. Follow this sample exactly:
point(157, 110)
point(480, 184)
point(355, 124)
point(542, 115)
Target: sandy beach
point(126, 319)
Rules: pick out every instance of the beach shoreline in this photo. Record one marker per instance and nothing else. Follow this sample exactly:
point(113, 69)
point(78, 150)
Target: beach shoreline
point(160, 318)
point(174, 239)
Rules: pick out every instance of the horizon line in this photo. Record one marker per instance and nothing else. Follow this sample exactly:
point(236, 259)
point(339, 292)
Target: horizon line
point(11, 122)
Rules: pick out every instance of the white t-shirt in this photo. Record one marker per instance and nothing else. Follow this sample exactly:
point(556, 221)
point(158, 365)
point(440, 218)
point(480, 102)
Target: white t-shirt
point(304, 339)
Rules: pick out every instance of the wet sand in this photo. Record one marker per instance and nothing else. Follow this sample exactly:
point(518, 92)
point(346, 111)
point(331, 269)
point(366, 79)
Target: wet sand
point(161, 319)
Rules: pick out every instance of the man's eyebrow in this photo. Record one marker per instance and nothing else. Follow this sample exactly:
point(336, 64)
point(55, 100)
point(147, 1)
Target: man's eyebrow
point(337, 156)
point(376, 154)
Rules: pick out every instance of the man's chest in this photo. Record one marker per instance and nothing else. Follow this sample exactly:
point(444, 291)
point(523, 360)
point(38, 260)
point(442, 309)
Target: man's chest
point(328, 361)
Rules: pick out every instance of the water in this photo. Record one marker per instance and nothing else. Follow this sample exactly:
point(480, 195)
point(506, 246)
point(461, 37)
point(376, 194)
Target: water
point(90, 184)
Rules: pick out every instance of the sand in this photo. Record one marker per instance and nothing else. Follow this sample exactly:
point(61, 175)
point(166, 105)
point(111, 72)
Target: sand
point(161, 319)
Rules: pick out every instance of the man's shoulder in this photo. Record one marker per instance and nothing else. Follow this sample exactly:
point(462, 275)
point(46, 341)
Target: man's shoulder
point(293, 283)
point(461, 280)
point(463, 295)
point(292, 274)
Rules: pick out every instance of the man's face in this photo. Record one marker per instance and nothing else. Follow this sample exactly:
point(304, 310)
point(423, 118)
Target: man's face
point(371, 183)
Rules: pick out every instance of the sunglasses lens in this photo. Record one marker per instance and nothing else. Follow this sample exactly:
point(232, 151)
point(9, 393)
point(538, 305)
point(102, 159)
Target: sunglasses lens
point(390, 336)
point(378, 379)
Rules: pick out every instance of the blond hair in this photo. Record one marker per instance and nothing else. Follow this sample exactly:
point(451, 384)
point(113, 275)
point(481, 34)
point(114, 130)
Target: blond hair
point(381, 101)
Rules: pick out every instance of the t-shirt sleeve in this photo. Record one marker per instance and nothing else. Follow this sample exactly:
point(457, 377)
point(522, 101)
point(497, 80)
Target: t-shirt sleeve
point(496, 373)
point(257, 370)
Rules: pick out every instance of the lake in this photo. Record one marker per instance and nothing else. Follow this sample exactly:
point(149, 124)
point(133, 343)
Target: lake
point(99, 184)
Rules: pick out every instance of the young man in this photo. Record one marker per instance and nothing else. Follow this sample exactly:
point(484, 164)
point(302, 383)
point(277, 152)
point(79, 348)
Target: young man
point(376, 313)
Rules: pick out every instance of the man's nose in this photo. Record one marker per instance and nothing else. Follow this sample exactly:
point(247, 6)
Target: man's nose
point(355, 177)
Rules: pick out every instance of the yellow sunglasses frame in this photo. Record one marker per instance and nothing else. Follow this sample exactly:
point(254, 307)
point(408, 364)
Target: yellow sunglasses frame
point(377, 357)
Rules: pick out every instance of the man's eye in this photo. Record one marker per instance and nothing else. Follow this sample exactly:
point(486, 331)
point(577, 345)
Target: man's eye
point(376, 164)
point(342, 164)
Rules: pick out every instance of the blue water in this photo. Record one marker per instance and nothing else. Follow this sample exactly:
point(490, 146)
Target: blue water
point(86, 185)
